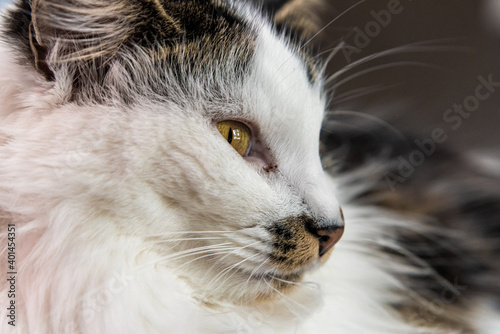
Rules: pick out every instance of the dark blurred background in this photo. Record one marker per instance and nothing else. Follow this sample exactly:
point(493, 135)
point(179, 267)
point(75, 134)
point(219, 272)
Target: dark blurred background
point(440, 48)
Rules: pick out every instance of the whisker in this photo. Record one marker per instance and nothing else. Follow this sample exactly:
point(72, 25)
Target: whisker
point(288, 299)
point(202, 257)
point(151, 263)
point(307, 283)
point(331, 22)
point(255, 270)
point(321, 30)
point(200, 252)
point(285, 281)
point(187, 239)
point(228, 269)
point(333, 51)
point(187, 253)
point(235, 250)
point(372, 118)
point(360, 92)
point(407, 48)
point(190, 232)
point(381, 67)
point(234, 266)
point(238, 249)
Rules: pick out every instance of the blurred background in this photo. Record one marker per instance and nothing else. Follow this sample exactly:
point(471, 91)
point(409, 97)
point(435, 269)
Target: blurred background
point(449, 45)
point(410, 62)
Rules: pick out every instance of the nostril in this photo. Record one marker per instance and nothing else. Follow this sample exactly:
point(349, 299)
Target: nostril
point(324, 238)
point(328, 234)
point(328, 238)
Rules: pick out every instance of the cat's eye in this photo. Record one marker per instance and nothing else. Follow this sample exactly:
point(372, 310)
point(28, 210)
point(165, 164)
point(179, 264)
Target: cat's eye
point(237, 134)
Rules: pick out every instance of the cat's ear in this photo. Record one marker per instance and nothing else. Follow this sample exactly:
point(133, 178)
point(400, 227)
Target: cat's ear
point(300, 18)
point(62, 31)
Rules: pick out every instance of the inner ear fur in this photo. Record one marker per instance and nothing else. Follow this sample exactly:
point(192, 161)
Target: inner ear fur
point(299, 17)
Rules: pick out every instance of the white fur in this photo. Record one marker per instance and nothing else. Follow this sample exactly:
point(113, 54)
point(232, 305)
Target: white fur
point(91, 187)
point(485, 317)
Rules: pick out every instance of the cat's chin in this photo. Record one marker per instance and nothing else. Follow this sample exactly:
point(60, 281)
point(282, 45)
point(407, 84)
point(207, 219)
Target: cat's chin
point(258, 290)
point(277, 297)
point(251, 289)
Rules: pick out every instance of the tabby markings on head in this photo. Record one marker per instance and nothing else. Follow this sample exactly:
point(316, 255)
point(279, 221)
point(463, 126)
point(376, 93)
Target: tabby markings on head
point(187, 37)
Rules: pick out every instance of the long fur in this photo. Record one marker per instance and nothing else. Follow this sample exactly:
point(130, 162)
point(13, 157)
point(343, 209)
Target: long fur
point(133, 214)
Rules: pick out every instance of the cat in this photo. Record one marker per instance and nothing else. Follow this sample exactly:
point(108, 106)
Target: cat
point(160, 173)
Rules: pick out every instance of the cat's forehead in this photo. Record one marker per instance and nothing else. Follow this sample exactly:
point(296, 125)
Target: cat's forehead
point(191, 19)
point(220, 42)
point(283, 93)
point(164, 49)
point(198, 33)
point(228, 54)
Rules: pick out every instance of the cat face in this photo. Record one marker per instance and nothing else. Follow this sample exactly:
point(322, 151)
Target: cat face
point(131, 118)
point(267, 205)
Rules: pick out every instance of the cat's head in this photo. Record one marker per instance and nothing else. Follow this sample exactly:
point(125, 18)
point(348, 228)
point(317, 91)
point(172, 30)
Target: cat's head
point(191, 126)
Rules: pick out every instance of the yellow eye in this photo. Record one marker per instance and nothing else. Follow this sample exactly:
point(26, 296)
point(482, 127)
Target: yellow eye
point(237, 134)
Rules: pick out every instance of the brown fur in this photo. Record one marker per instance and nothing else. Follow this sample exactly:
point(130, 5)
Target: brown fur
point(301, 16)
point(294, 246)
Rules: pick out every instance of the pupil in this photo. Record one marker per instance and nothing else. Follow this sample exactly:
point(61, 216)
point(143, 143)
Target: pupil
point(230, 136)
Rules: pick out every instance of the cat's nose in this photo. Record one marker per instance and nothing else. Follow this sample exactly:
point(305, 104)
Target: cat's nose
point(328, 238)
point(328, 234)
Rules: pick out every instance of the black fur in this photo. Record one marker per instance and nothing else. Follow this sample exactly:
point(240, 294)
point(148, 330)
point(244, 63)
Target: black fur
point(194, 35)
point(17, 29)
point(197, 18)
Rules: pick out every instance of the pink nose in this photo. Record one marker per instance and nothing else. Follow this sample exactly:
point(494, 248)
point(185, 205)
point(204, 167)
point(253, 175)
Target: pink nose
point(328, 238)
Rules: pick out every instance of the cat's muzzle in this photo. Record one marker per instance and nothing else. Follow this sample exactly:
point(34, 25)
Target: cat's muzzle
point(302, 240)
